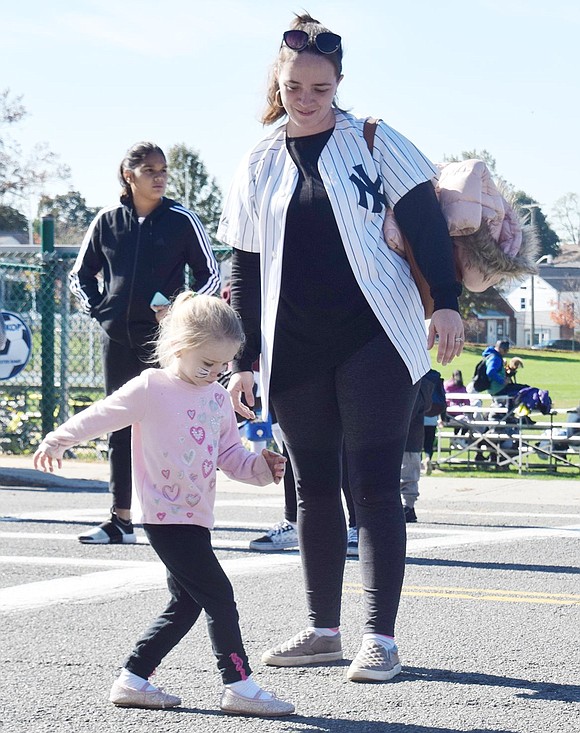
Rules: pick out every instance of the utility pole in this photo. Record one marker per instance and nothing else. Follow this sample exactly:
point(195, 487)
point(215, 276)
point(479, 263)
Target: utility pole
point(532, 209)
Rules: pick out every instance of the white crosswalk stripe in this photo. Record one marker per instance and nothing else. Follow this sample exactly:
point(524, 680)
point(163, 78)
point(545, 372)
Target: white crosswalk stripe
point(125, 577)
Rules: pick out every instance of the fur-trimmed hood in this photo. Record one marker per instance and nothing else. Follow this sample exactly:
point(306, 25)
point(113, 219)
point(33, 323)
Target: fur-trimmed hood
point(483, 254)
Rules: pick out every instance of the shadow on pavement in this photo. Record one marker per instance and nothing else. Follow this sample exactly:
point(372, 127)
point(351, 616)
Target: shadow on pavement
point(312, 724)
point(569, 569)
point(533, 690)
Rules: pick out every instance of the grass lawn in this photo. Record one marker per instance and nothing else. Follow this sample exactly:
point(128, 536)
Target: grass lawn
point(556, 371)
point(563, 473)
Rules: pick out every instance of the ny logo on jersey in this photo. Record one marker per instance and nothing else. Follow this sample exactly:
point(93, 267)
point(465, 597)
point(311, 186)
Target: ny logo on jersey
point(366, 186)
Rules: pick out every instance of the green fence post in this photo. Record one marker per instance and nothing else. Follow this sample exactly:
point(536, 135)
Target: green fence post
point(47, 285)
point(64, 315)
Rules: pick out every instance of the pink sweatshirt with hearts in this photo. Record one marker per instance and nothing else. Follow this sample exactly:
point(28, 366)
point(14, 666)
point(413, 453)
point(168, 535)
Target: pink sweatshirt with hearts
point(181, 434)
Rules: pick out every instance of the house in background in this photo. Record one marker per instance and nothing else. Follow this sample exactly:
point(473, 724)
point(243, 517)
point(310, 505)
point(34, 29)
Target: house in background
point(488, 325)
point(12, 238)
point(554, 290)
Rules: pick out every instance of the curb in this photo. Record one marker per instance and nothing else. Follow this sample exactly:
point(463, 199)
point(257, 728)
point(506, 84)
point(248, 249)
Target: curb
point(18, 477)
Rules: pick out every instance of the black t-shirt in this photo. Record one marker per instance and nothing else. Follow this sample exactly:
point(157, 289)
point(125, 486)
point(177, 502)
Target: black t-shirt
point(323, 316)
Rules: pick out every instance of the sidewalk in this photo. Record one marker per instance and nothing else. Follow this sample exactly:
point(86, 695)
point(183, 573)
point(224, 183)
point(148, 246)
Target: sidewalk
point(94, 476)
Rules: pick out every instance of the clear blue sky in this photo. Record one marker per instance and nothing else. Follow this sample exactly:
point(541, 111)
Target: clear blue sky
point(96, 76)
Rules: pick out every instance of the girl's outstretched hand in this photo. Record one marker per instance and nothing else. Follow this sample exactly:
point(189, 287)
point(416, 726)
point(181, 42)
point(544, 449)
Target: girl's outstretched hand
point(43, 461)
point(276, 464)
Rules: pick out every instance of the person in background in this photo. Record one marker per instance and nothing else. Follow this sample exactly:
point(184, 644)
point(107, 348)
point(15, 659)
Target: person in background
point(339, 326)
point(411, 464)
point(455, 386)
point(284, 535)
point(184, 429)
point(429, 433)
point(495, 369)
point(131, 263)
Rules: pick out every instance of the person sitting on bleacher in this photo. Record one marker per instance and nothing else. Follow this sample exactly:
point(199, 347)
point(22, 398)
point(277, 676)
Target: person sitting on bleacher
point(499, 383)
point(455, 386)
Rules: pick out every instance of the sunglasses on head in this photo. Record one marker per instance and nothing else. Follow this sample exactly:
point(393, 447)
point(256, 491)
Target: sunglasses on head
point(324, 42)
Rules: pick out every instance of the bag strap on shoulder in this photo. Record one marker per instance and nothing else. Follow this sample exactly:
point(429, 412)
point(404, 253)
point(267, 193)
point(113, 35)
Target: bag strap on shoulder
point(369, 129)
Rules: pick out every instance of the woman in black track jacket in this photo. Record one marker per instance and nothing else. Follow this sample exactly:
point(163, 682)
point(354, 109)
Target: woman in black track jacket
point(131, 263)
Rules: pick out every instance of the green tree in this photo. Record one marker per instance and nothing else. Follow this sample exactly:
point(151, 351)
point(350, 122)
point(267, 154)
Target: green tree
point(531, 213)
point(11, 220)
point(484, 155)
point(71, 215)
point(23, 173)
point(190, 184)
point(470, 303)
point(504, 187)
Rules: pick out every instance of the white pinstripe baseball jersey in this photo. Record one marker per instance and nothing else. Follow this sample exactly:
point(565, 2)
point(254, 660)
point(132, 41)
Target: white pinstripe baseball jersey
point(254, 220)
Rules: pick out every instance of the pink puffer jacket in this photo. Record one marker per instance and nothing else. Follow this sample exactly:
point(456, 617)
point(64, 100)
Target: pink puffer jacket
point(469, 198)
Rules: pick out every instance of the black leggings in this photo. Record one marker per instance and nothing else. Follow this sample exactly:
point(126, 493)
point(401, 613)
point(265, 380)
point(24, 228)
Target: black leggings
point(367, 401)
point(197, 583)
point(429, 434)
point(120, 364)
point(291, 500)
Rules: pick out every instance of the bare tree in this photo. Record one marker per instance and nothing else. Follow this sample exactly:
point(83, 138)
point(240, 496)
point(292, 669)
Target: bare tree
point(566, 212)
point(23, 173)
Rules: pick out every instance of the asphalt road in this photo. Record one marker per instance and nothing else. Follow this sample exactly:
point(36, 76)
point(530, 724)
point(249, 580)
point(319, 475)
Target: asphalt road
point(489, 625)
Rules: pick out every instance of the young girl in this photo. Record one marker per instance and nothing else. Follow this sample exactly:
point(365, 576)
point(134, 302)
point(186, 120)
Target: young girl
point(184, 427)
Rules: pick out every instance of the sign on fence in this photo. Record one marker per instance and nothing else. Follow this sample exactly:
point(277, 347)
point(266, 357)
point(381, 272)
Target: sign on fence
point(16, 352)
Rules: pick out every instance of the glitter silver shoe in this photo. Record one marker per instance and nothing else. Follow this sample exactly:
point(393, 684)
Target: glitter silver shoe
point(270, 707)
point(127, 697)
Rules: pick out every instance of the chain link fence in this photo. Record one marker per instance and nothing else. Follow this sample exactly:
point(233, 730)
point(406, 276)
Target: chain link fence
point(50, 363)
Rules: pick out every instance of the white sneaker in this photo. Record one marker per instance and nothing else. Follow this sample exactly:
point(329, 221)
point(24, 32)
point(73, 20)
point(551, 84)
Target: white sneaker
point(352, 542)
point(113, 531)
point(282, 536)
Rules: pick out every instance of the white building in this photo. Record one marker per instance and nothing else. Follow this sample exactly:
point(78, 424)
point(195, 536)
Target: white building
point(553, 289)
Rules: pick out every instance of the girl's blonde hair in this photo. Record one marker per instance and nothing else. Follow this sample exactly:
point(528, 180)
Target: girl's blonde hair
point(193, 320)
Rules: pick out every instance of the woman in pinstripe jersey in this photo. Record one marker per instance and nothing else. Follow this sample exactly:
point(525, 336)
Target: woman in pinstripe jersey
point(339, 327)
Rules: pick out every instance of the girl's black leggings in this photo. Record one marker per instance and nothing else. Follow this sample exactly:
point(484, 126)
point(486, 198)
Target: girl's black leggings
point(197, 583)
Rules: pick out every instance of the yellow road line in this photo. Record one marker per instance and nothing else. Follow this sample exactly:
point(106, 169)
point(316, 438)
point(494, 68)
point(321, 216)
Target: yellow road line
point(481, 594)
